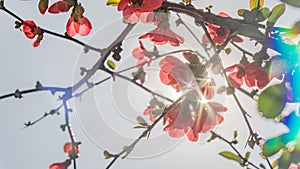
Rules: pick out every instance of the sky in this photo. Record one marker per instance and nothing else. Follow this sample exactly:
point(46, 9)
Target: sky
point(103, 117)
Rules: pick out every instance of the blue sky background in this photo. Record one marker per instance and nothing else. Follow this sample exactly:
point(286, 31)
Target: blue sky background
point(56, 62)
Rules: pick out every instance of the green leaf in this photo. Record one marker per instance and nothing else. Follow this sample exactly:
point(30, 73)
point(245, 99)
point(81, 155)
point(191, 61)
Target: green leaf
point(228, 51)
point(231, 156)
point(106, 154)
point(262, 166)
point(235, 134)
point(251, 142)
point(276, 12)
point(272, 146)
point(241, 12)
point(256, 4)
point(263, 14)
point(141, 121)
point(295, 3)
point(251, 32)
point(111, 64)
point(272, 101)
point(112, 2)
point(247, 155)
point(221, 89)
point(285, 160)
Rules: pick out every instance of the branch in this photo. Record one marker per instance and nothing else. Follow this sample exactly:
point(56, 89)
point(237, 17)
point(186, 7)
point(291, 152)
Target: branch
point(231, 23)
point(38, 88)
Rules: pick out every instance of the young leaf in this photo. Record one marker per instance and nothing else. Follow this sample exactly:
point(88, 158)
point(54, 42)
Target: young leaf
point(235, 134)
point(106, 154)
point(263, 14)
point(111, 64)
point(272, 101)
point(262, 166)
point(272, 146)
point(251, 142)
point(231, 156)
point(141, 121)
point(241, 12)
point(228, 51)
point(295, 3)
point(43, 6)
point(112, 2)
point(247, 155)
point(276, 12)
point(256, 4)
point(221, 89)
point(285, 160)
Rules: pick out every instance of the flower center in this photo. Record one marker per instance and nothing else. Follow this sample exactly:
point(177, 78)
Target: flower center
point(137, 3)
point(221, 32)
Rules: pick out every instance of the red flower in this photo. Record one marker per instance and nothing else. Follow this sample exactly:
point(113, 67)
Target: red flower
point(162, 35)
point(142, 55)
point(206, 119)
point(180, 76)
point(219, 34)
point(30, 30)
point(181, 120)
point(174, 72)
point(196, 113)
point(178, 122)
point(252, 73)
point(58, 166)
point(294, 166)
point(135, 10)
point(60, 6)
point(68, 149)
point(80, 25)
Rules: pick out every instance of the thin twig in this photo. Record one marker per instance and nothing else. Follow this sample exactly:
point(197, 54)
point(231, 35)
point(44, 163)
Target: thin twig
point(234, 149)
point(131, 146)
point(86, 46)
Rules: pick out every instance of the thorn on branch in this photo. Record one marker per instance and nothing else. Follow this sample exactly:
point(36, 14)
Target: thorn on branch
point(63, 127)
point(18, 94)
point(28, 124)
point(18, 24)
point(38, 85)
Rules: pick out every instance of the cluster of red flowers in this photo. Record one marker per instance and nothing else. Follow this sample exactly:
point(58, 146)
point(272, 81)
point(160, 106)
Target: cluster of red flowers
point(196, 113)
point(142, 10)
point(252, 73)
point(135, 10)
point(77, 23)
